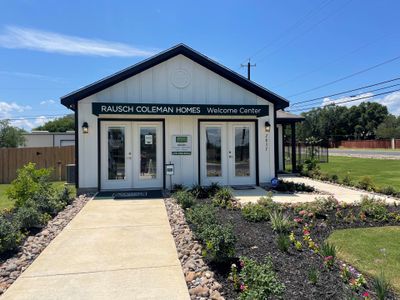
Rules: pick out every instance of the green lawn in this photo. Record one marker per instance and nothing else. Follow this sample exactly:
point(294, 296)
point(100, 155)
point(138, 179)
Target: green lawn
point(383, 171)
point(362, 248)
point(6, 203)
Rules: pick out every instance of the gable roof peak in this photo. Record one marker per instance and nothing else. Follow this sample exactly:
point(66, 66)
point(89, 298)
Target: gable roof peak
point(70, 100)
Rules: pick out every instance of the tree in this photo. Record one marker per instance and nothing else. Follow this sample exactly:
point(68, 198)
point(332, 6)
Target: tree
point(59, 125)
point(10, 137)
point(389, 128)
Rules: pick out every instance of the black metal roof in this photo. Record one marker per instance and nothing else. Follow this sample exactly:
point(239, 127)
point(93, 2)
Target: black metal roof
point(71, 99)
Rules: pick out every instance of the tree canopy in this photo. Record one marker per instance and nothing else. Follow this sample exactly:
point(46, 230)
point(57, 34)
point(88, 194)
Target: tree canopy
point(389, 128)
point(335, 123)
point(10, 136)
point(59, 125)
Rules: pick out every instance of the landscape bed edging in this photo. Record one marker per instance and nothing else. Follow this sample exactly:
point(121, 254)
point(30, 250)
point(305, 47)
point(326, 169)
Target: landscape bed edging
point(199, 278)
point(33, 245)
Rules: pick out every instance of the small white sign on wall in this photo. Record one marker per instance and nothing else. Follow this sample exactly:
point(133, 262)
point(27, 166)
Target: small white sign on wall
point(181, 145)
point(148, 139)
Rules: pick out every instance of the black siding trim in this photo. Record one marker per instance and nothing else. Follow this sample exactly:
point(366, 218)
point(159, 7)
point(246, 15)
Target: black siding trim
point(255, 121)
point(276, 149)
point(76, 148)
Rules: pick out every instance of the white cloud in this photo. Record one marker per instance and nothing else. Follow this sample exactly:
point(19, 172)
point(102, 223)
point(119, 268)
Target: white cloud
point(26, 38)
point(30, 76)
point(29, 124)
point(44, 102)
point(6, 109)
point(392, 101)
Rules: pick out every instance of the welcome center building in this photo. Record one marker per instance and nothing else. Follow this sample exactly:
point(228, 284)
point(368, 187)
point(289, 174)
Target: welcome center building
point(176, 118)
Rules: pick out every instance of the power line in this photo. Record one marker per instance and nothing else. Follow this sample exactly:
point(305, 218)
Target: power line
point(345, 101)
point(296, 24)
point(336, 11)
point(352, 90)
point(346, 77)
point(321, 67)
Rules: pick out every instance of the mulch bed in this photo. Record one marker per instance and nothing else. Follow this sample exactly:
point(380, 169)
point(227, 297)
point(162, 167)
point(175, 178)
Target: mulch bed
point(257, 240)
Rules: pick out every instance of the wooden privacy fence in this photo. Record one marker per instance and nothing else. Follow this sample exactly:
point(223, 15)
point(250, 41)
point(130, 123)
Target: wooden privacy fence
point(385, 144)
point(11, 159)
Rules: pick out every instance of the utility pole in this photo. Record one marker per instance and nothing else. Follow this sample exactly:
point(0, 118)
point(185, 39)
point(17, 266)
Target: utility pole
point(249, 65)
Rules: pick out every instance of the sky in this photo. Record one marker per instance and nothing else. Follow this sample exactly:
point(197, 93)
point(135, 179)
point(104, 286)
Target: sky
point(303, 49)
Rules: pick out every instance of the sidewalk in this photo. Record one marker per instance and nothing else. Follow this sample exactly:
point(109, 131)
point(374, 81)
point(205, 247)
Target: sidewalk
point(113, 249)
point(341, 193)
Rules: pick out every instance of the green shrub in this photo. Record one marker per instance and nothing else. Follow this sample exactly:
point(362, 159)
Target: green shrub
point(184, 198)
point(290, 186)
point(323, 204)
point(219, 241)
point(49, 204)
point(178, 187)
point(374, 208)
point(388, 190)
point(10, 235)
point(313, 276)
point(311, 164)
point(267, 202)
point(255, 212)
point(30, 183)
point(65, 196)
point(334, 178)
point(26, 217)
point(260, 280)
point(381, 286)
point(366, 183)
point(328, 249)
point(223, 198)
point(283, 242)
point(201, 215)
point(279, 222)
point(347, 180)
point(213, 189)
point(199, 191)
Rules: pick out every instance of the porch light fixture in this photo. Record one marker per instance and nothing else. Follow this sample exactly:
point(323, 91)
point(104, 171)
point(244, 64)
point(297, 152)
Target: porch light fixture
point(85, 127)
point(267, 126)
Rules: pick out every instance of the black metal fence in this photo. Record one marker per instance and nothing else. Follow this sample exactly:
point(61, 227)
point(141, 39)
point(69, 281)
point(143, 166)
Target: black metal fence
point(304, 152)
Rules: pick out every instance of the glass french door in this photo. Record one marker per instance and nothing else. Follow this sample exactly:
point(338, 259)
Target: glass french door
point(227, 153)
point(131, 155)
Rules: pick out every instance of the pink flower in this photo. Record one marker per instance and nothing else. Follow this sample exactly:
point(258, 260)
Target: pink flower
point(302, 212)
point(365, 294)
point(328, 258)
point(306, 232)
point(243, 287)
point(298, 220)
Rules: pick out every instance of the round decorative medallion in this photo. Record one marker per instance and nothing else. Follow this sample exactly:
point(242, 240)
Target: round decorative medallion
point(180, 78)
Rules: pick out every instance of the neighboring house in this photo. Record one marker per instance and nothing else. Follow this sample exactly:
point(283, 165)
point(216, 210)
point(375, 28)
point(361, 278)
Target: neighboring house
point(177, 112)
point(49, 139)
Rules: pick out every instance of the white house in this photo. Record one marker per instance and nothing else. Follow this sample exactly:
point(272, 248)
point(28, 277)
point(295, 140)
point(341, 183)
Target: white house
point(39, 138)
point(179, 112)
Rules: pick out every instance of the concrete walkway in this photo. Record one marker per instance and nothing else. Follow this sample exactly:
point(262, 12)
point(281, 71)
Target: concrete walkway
point(113, 249)
point(343, 194)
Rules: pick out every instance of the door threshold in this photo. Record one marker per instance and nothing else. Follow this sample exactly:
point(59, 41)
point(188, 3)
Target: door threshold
point(131, 194)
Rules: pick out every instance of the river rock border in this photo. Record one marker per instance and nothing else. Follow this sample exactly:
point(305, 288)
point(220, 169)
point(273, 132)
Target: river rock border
point(199, 278)
point(12, 268)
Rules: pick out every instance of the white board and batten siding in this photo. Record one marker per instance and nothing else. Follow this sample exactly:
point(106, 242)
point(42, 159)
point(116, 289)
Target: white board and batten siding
point(178, 80)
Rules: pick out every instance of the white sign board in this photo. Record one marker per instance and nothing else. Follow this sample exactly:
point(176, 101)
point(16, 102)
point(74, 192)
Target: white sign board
point(181, 145)
point(148, 139)
point(169, 169)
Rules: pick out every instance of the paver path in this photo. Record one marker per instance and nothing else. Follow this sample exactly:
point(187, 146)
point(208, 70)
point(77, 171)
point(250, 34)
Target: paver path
point(113, 249)
point(339, 192)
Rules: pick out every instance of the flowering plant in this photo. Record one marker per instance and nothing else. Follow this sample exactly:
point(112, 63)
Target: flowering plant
point(307, 238)
point(352, 277)
point(329, 261)
point(366, 296)
point(298, 220)
point(234, 277)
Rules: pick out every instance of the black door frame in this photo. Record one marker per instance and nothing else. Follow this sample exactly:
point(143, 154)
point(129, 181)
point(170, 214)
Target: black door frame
point(99, 120)
point(255, 121)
